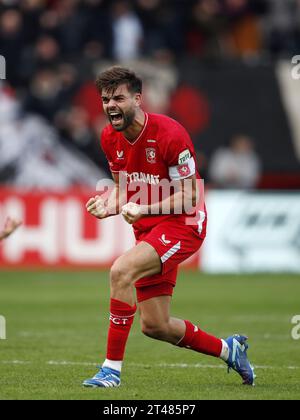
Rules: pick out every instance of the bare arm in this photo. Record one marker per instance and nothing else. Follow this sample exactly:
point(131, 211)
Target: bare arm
point(183, 200)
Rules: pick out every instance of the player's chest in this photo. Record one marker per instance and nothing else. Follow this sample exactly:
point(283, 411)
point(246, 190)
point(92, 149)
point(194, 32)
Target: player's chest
point(142, 156)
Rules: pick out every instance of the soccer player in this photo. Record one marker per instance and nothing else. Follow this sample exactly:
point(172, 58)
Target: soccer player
point(147, 149)
point(10, 226)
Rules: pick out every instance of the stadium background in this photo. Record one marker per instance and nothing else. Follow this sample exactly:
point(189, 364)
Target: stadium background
point(225, 70)
point(222, 68)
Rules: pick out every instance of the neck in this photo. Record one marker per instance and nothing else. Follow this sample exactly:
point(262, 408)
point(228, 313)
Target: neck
point(135, 129)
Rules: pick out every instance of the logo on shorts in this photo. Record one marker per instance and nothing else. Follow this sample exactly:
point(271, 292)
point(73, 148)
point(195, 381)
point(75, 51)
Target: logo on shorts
point(164, 241)
point(151, 155)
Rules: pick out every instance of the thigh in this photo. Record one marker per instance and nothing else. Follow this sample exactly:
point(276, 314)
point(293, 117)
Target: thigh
point(140, 261)
point(174, 242)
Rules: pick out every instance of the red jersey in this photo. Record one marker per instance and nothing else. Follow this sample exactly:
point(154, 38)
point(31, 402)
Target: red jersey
point(163, 150)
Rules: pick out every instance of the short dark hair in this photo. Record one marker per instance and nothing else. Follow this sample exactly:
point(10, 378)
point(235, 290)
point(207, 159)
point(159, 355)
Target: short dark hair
point(115, 76)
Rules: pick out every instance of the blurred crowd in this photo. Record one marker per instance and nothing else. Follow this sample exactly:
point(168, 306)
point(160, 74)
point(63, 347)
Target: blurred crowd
point(54, 49)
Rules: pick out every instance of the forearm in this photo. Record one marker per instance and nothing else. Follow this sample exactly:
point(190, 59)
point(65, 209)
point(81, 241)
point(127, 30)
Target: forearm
point(178, 203)
point(115, 201)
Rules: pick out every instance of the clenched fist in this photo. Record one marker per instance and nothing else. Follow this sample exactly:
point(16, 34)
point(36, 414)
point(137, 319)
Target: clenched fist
point(96, 207)
point(132, 212)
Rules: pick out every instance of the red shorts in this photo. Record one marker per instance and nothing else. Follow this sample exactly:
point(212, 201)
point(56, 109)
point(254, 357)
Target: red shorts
point(174, 241)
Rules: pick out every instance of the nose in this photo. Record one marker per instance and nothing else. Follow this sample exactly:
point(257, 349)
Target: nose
point(111, 103)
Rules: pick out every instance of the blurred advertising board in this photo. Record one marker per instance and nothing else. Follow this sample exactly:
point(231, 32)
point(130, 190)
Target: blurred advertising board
point(57, 232)
point(252, 232)
point(247, 232)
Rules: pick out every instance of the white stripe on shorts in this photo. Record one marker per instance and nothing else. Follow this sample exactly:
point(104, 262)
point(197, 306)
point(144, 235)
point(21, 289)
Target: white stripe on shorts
point(171, 252)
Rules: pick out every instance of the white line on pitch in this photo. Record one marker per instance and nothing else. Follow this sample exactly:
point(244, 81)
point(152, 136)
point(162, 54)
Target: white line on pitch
point(141, 365)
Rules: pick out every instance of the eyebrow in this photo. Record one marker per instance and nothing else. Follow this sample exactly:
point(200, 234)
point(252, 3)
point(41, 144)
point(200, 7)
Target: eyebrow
point(114, 97)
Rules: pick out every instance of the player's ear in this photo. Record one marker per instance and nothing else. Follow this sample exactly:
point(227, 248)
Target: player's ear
point(138, 99)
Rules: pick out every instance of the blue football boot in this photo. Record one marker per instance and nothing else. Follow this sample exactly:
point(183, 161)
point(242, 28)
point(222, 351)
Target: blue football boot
point(238, 359)
point(105, 378)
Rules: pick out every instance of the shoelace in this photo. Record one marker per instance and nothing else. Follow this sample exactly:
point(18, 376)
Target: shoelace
point(103, 374)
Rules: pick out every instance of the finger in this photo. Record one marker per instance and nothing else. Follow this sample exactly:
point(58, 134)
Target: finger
point(131, 213)
point(100, 200)
point(98, 209)
point(125, 208)
point(126, 218)
point(90, 202)
point(96, 213)
point(100, 203)
point(132, 209)
point(92, 207)
point(129, 219)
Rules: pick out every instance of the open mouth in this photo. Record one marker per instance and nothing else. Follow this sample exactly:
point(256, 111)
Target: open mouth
point(115, 117)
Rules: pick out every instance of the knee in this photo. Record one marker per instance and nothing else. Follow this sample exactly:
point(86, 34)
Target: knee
point(121, 273)
point(153, 330)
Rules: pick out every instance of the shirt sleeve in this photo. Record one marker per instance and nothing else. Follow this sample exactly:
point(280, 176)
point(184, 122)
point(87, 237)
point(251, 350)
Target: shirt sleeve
point(106, 147)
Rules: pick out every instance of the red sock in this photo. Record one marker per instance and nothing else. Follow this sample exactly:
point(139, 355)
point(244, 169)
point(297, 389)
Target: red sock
point(121, 319)
point(200, 341)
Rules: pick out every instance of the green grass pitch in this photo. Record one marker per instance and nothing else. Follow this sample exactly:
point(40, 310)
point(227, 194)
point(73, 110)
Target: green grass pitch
point(56, 326)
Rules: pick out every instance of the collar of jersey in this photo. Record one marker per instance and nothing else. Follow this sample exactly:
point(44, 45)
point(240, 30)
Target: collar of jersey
point(141, 133)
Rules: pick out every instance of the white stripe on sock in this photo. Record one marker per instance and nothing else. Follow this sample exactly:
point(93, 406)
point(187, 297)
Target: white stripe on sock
point(225, 351)
point(113, 364)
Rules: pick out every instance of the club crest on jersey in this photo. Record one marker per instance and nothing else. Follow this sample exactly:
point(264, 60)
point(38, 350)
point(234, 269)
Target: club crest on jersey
point(151, 155)
point(120, 154)
point(184, 170)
